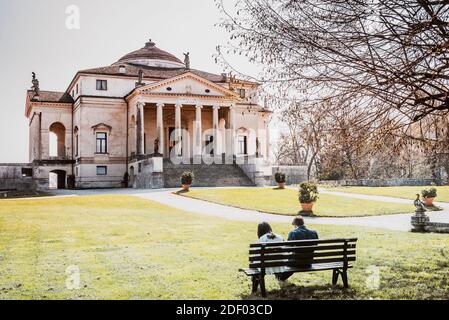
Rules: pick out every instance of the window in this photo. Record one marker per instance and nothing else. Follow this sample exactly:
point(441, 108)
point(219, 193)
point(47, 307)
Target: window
point(76, 172)
point(76, 145)
point(77, 88)
point(241, 144)
point(27, 172)
point(102, 143)
point(102, 170)
point(102, 85)
point(73, 94)
point(242, 93)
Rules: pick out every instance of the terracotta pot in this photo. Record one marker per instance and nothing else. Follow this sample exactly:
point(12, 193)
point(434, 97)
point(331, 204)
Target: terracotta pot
point(307, 206)
point(428, 201)
point(186, 187)
point(281, 185)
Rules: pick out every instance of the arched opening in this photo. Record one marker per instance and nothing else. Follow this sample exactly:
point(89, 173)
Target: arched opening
point(57, 179)
point(57, 140)
point(242, 141)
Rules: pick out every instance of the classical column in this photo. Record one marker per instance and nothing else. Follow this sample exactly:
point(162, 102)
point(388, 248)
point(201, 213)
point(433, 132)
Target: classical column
point(232, 129)
point(267, 143)
point(198, 130)
point(140, 128)
point(178, 130)
point(215, 128)
point(160, 127)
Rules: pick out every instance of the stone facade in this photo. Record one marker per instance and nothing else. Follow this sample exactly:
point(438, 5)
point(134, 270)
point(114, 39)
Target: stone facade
point(111, 125)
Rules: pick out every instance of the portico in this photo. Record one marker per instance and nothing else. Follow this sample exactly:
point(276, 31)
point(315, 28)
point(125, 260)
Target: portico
point(182, 124)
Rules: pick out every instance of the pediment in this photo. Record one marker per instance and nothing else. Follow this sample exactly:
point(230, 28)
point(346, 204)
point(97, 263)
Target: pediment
point(188, 84)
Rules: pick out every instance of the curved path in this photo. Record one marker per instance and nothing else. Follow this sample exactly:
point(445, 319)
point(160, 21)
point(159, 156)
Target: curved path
point(400, 222)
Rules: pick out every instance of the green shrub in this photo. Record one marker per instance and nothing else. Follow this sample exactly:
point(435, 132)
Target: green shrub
point(308, 192)
point(187, 178)
point(279, 177)
point(429, 193)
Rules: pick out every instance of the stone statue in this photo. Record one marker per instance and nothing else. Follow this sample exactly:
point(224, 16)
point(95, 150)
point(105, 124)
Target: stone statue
point(187, 60)
point(139, 82)
point(156, 146)
point(35, 82)
point(418, 204)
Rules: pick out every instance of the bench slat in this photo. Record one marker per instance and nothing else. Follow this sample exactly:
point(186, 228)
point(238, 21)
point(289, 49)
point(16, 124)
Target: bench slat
point(294, 255)
point(302, 242)
point(297, 262)
point(313, 267)
point(287, 247)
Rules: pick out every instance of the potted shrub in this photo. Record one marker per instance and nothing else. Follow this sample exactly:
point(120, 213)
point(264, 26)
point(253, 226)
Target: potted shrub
point(280, 179)
point(308, 194)
point(186, 180)
point(429, 195)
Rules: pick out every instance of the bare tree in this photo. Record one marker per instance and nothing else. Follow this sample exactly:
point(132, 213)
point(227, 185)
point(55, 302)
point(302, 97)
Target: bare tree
point(388, 56)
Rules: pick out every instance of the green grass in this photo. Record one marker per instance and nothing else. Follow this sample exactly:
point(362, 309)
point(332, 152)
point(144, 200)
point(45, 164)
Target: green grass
point(130, 248)
point(397, 192)
point(285, 202)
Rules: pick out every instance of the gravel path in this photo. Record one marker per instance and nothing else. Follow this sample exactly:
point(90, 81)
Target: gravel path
point(400, 222)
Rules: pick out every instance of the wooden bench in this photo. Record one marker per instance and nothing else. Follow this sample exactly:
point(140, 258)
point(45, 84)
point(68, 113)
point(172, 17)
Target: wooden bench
point(301, 256)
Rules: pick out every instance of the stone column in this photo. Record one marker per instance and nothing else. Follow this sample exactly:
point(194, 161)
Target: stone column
point(198, 131)
point(140, 129)
point(267, 143)
point(215, 128)
point(178, 130)
point(160, 127)
point(232, 129)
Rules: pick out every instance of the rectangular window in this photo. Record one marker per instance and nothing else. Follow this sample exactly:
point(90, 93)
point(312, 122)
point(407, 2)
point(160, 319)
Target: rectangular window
point(102, 170)
point(102, 143)
point(102, 85)
point(242, 93)
point(27, 172)
point(241, 144)
point(77, 88)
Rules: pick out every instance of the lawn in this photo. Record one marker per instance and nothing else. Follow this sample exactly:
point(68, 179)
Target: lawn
point(130, 248)
point(398, 192)
point(285, 202)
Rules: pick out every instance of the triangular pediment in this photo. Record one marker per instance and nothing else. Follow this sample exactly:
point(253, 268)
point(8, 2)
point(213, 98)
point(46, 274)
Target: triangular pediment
point(188, 84)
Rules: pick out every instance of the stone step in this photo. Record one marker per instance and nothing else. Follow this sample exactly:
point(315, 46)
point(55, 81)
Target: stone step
point(206, 175)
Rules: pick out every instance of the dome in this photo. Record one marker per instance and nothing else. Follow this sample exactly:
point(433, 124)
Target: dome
point(152, 56)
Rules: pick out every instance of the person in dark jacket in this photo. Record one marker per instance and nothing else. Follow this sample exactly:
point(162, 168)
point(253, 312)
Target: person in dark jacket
point(301, 232)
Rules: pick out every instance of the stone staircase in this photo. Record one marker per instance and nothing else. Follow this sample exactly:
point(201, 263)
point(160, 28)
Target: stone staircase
point(206, 175)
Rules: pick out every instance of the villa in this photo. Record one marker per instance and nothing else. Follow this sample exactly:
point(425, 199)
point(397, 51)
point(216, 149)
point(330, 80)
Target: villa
point(143, 120)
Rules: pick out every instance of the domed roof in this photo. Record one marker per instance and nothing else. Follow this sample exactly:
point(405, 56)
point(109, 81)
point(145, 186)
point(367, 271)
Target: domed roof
point(151, 56)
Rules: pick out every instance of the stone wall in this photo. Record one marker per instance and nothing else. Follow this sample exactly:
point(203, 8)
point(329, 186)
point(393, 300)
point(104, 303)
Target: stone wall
point(149, 176)
point(11, 177)
point(263, 175)
point(382, 182)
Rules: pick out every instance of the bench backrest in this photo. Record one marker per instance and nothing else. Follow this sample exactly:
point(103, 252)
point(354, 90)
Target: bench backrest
point(301, 253)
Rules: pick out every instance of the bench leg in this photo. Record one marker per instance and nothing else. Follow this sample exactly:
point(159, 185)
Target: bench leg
point(344, 277)
point(262, 286)
point(255, 281)
point(335, 274)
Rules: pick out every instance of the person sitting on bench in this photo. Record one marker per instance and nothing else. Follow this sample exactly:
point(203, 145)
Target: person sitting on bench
point(301, 232)
point(265, 234)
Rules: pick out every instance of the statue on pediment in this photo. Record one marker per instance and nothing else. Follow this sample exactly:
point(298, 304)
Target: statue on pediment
point(35, 82)
point(187, 60)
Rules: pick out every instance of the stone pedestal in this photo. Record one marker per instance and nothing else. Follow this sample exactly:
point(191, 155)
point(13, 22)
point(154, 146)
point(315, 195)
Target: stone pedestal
point(419, 221)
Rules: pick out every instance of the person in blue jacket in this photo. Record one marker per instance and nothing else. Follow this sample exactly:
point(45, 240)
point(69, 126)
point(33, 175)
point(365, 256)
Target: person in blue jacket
point(301, 232)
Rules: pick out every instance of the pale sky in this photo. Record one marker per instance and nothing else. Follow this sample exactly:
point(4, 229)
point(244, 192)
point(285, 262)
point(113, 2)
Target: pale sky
point(34, 37)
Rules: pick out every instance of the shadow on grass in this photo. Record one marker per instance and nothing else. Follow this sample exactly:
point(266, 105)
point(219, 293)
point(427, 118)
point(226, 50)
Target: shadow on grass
point(433, 208)
point(182, 191)
point(277, 188)
point(294, 292)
